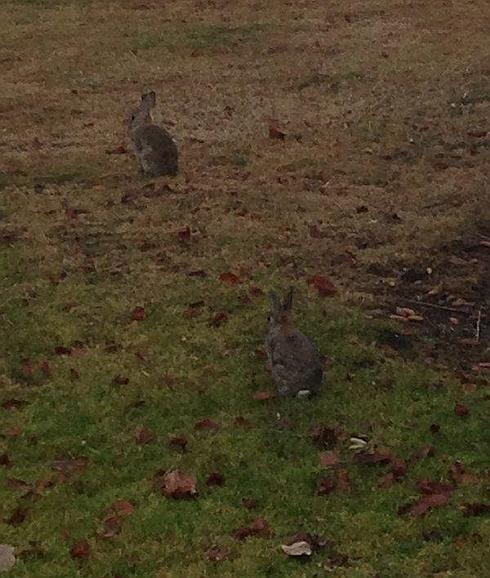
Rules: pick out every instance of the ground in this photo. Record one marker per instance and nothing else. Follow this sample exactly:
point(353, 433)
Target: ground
point(345, 141)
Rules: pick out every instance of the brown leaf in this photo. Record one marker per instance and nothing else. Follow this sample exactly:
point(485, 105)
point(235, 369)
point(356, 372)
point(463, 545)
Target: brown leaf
point(18, 516)
point(424, 452)
point(435, 428)
point(120, 380)
point(120, 150)
point(143, 435)
point(192, 312)
point(322, 285)
point(217, 554)
point(197, 273)
point(461, 410)
point(112, 526)
point(80, 550)
point(215, 479)
point(62, 350)
point(184, 234)
point(206, 424)
point(263, 395)
point(27, 368)
point(45, 368)
point(326, 485)
point(398, 468)
point(460, 476)
point(475, 509)
point(138, 314)
point(17, 484)
point(12, 431)
point(325, 437)
point(343, 481)
point(427, 502)
point(434, 487)
point(230, 278)
point(178, 443)
point(69, 467)
point(259, 528)
point(122, 508)
point(387, 481)
point(275, 132)
point(10, 404)
point(375, 457)
point(176, 484)
point(219, 318)
point(328, 459)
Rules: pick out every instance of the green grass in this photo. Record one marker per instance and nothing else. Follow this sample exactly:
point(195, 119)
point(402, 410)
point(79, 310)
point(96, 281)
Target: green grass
point(214, 374)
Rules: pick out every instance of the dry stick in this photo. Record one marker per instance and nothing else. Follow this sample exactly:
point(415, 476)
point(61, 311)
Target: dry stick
point(434, 306)
point(478, 326)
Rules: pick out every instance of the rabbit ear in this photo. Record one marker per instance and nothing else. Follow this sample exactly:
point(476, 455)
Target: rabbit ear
point(288, 300)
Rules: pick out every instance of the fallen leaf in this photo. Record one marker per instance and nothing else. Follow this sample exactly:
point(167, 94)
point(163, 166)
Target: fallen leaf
point(258, 528)
point(176, 484)
point(328, 459)
point(206, 424)
point(112, 526)
point(424, 452)
point(122, 508)
point(184, 234)
point(178, 443)
point(217, 554)
point(322, 285)
point(297, 549)
point(372, 458)
point(461, 410)
point(398, 468)
point(275, 132)
point(120, 150)
point(460, 476)
point(16, 484)
point(27, 368)
point(18, 516)
point(405, 311)
point(219, 318)
point(192, 312)
point(263, 395)
point(428, 502)
point(326, 485)
point(62, 350)
point(80, 550)
point(325, 437)
point(197, 273)
point(229, 278)
point(69, 467)
point(7, 557)
point(343, 481)
point(138, 314)
point(475, 509)
point(13, 431)
point(435, 428)
point(45, 368)
point(215, 479)
point(120, 380)
point(434, 487)
point(143, 435)
point(387, 481)
point(10, 404)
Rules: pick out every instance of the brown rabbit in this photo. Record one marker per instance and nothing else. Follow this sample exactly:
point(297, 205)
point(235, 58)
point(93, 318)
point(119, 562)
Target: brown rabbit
point(295, 363)
point(155, 148)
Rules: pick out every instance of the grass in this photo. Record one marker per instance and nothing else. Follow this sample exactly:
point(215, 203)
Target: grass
point(379, 103)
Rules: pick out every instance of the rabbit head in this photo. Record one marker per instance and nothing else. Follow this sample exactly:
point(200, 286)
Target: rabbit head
point(142, 115)
point(280, 312)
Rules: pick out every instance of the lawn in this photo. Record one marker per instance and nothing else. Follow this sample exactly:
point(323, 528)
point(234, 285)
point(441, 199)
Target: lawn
point(133, 311)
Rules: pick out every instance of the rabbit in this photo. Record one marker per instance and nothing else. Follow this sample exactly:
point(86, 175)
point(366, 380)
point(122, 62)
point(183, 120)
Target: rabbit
point(293, 359)
point(155, 148)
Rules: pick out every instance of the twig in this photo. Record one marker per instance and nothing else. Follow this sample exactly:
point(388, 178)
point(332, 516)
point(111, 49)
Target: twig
point(478, 326)
point(434, 306)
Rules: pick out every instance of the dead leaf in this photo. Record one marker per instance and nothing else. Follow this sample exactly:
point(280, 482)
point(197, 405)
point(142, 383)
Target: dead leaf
point(328, 459)
point(80, 550)
point(184, 234)
point(427, 502)
point(138, 314)
point(219, 318)
point(387, 481)
point(461, 410)
point(206, 424)
point(7, 557)
point(143, 435)
point(122, 508)
point(398, 468)
point(475, 509)
point(215, 479)
point(326, 485)
point(176, 484)
point(259, 528)
point(12, 431)
point(375, 457)
point(274, 131)
point(230, 278)
point(10, 404)
point(120, 150)
point(460, 476)
point(178, 443)
point(325, 437)
point(263, 395)
point(18, 516)
point(217, 554)
point(343, 481)
point(435, 428)
point(434, 487)
point(198, 273)
point(69, 467)
point(62, 350)
point(322, 285)
point(301, 548)
point(120, 380)
point(16, 484)
point(112, 526)
point(27, 368)
point(45, 368)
